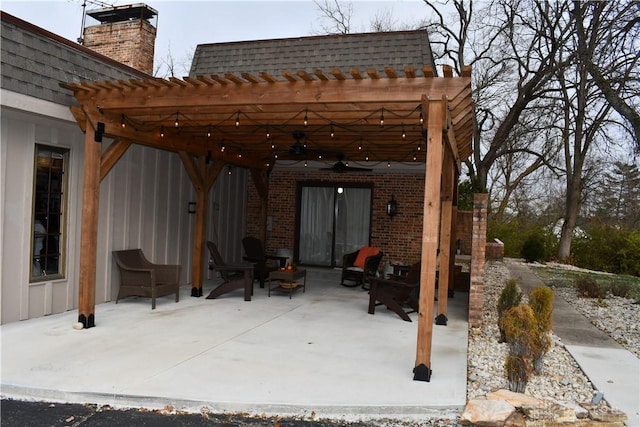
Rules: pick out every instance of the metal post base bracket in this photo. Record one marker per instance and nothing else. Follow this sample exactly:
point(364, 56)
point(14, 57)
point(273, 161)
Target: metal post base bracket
point(441, 320)
point(422, 373)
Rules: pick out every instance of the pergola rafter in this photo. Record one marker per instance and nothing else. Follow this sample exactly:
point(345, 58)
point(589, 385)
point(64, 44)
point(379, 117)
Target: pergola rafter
point(251, 121)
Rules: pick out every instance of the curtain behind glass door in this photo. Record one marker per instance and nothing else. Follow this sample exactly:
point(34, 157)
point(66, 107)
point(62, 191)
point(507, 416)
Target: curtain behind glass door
point(316, 225)
point(353, 219)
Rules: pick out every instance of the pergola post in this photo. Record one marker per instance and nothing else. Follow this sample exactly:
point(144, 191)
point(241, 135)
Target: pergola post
point(446, 223)
point(89, 226)
point(436, 117)
point(202, 175)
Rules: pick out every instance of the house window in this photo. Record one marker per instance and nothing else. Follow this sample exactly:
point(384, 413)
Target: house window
point(49, 213)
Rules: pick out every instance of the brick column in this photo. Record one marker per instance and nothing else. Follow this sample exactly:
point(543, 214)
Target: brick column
point(478, 244)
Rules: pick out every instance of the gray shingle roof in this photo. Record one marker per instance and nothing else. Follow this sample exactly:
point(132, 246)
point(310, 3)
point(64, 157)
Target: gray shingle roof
point(362, 51)
point(35, 62)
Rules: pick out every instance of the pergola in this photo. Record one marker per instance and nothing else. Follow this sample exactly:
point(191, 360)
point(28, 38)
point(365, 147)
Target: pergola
point(253, 121)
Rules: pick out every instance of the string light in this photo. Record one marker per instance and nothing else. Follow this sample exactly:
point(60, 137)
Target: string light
point(306, 119)
point(404, 133)
point(421, 119)
point(161, 131)
point(238, 119)
point(388, 164)
point(415, 156)
point(382, 118)
point(305, 163)
point(332, 134)
point(229, 170)
point(209, 132)
point(268, 133)
point(366, 157)
point(222, 148)
point(273, 146)
point(122, 123)
point(177, 123)
point(419, 147)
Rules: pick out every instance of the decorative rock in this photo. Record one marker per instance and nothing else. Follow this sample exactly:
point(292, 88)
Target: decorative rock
point(550, 411)
point(487, 413)
point(604, 413)
point(516, 399)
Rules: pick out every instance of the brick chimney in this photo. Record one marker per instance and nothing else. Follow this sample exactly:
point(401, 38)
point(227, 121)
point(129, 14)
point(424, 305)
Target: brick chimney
point(125, 34)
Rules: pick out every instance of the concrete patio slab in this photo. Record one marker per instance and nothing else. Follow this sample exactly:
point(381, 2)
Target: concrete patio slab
point(317, 354)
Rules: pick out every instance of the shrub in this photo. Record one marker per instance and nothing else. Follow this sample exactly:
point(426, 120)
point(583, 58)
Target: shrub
point(509, 297)
point(519, 325)
point(533, 249)
point(620, 289)
point(520, 330)
point(541, 302)
point(589, 288)
point(607, 248)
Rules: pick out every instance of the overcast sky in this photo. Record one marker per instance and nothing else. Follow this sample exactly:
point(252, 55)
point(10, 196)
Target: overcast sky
point(182, 25)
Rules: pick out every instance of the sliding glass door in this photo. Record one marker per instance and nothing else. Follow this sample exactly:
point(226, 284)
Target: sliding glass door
point(332, 220)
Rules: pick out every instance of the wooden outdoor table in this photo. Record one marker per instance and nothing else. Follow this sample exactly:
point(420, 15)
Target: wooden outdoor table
point(287, 276)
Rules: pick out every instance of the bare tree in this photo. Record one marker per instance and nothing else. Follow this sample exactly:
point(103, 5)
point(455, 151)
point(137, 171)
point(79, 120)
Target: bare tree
point(338, 14)
point(511, 47)
point(169, 66)
point(609, 47)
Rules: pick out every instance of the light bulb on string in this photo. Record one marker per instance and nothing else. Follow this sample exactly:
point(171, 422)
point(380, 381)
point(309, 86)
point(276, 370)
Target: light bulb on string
point(404, 133)
point(177, 122)
point(268, 133)
point(122, 123)
point(238, 119)
point(209, 132)
point(421, 119)
point(332, 133)
point(305, 163)
point(161, 131)
point(382, 118)
point(306, 119)
point(388, 164)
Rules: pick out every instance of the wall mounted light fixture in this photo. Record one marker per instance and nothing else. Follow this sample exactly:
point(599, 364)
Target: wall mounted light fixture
point(392, 207)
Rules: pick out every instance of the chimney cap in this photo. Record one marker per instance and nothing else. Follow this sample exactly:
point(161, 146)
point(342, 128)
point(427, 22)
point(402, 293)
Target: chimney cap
point(123, 13)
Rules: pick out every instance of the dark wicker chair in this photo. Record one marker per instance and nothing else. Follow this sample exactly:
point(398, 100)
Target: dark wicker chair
point(140, 277)
point(397, 294)
point(255, 254)
point(359, 276)
point(238, 276)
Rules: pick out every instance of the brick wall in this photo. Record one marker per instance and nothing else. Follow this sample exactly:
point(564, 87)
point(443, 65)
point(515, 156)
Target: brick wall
point(478, 247)
point(399, 237)
point(464, 226)
point(130, 42)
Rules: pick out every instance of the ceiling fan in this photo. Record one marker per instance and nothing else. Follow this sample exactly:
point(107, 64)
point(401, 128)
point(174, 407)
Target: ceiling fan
point(298, 149)
point(340, 166)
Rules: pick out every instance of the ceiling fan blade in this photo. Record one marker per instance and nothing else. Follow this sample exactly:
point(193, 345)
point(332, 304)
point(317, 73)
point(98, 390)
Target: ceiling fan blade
point(341, 167)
